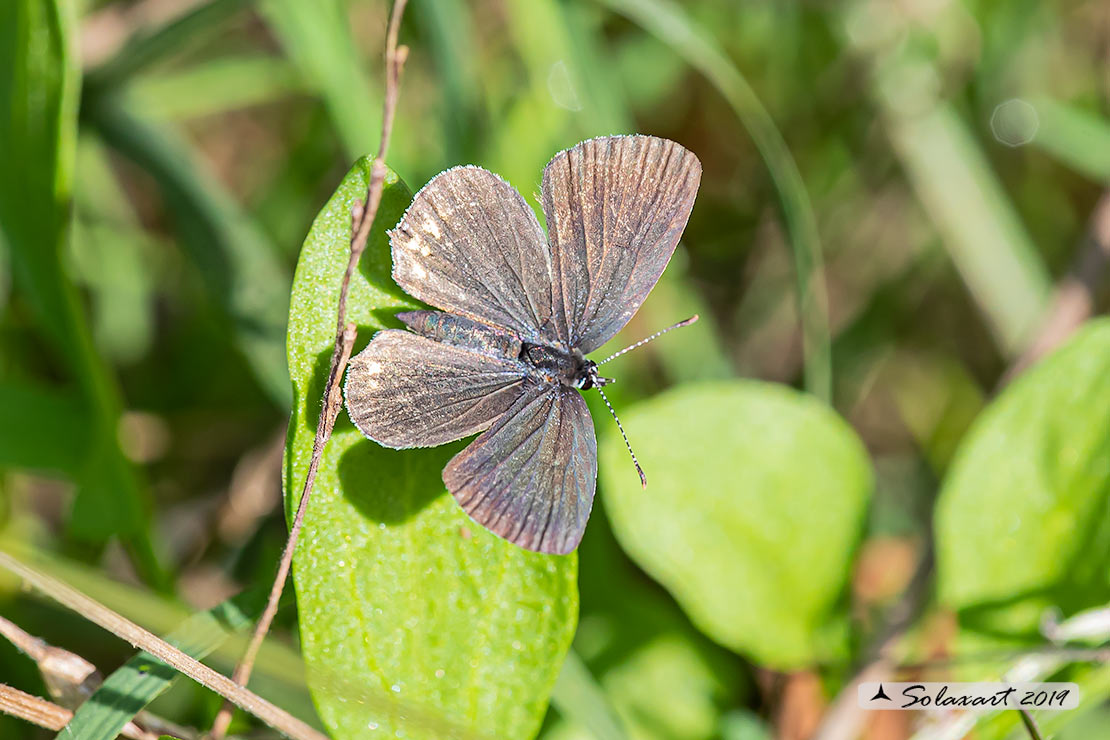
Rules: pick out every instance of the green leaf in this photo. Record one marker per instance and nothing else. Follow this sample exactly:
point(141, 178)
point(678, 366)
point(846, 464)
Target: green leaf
point(458, 632)
point(662, 676)
point(140, 680)
point(1023, 519)
point(664, 689)
point(754, 505)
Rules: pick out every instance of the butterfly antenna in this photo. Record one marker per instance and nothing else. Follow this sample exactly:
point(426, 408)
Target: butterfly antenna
point(643, 478)
point(641, 343)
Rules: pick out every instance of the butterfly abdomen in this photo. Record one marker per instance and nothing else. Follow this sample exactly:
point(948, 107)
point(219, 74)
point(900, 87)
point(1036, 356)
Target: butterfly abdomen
point(460, 331)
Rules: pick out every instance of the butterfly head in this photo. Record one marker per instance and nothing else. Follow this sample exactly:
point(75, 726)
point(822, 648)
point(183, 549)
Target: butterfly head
point(589, 377)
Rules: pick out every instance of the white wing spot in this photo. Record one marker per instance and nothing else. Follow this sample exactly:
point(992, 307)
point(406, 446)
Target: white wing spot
point(373, 368)
point(425, 250)
point(419, 272)
point(432, 228)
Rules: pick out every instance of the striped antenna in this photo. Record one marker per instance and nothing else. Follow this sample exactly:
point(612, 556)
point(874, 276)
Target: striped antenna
point(644, 341)
point(643, 478)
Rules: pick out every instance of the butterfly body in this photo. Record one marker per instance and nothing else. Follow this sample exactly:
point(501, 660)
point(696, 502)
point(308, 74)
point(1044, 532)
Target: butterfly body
point(460, 331)
point(505, 356)
point(541, 362)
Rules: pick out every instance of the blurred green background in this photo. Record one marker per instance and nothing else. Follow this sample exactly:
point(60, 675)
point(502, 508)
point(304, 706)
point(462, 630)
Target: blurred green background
point(903, 208)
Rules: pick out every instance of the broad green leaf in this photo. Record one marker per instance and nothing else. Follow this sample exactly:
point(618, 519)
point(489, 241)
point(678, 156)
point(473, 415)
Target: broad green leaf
point(39, 80)
point(755, 502)
point(459, 633)
point(664, 679)
point(140, 680)
point(1022, 521)
point(742, 724)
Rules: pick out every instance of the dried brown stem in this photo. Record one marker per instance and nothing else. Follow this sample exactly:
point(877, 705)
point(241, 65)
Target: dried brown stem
point(71, 680)
point(362, 219)
point(48, 715)
point(33, 709)
point(127, 630)
point(31, 646)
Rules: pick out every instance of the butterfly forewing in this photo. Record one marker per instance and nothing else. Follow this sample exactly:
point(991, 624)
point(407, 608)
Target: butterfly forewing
point(530, 477)
point(405, 390)
point(469, 244)
point(615, 209)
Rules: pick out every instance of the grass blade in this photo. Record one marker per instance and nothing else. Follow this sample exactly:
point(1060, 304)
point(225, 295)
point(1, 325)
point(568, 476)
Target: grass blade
point(450, 30)
point(41, 429)
point(670, 24)
point(241, 268)
point(557, 102)
point(139, 681)
point(1079, 139)
point(39, 80)
point(317, 38)
point(215, 87)
point(983, 235)
point(144, 50)
point(578, 697)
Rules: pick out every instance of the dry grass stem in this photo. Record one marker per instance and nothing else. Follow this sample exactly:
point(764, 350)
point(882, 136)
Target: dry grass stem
point(362, 219)
point(127, 630)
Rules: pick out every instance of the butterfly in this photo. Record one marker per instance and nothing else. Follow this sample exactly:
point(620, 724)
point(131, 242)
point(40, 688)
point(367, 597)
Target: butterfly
point(505, 354)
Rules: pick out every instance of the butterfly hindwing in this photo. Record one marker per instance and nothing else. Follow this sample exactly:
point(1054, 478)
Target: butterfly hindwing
point(406, 390)
point(530, 477)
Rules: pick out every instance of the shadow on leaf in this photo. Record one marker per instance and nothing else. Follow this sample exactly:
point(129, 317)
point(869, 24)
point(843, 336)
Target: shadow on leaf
point(392, 486)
